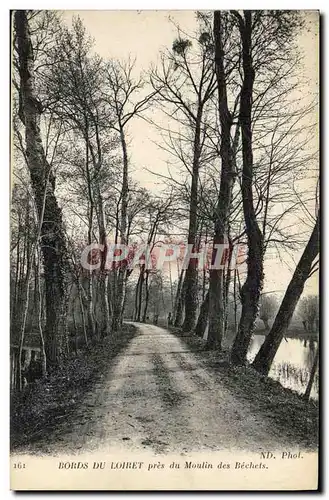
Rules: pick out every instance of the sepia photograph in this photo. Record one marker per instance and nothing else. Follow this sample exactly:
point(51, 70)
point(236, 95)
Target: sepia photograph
point(164, 250)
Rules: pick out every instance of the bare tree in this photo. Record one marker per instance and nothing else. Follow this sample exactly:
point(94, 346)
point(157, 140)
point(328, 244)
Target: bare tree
point(75, 88)
point(264, 358)
point(251, 289)
point(185, 83)
point(54, 248)
point(121, 92)
point(222, 27)
point(159, 213)
point(263, 36)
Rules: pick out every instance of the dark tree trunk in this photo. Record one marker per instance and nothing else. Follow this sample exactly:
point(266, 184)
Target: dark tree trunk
point(251, 289)
point(203, 317)
point(118, 306)
point(121, 277)
point(216, 281)
point(90, 307)
point(228, 279)
point(139, 292)
point(76, 333)
point(178, 295)
point(191, 274)
point(25, 307)
point(180, 306)
point(136, 296)
point(104, 327)
point(235, 302)
point(52, 235)
point(104, 323)
point(90, 291)
point(43, 356)
point(147, 294)
point(264, 358)
point(14, 308)
point(82, 311)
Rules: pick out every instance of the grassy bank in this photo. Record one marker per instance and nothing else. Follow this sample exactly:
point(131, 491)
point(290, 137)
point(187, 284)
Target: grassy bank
point(50, 404)
point(287, 409)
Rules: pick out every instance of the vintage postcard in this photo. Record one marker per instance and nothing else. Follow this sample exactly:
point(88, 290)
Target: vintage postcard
point(165, 240)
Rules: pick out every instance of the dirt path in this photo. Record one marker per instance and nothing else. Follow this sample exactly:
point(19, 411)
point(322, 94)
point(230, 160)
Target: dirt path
point(158, 396)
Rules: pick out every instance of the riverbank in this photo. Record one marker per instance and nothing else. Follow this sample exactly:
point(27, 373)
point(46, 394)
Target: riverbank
point(288, 410)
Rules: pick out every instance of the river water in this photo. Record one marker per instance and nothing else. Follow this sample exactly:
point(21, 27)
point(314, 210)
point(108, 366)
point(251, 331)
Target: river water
point(292, 364)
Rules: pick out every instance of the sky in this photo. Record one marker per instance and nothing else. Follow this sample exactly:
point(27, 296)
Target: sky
point(142, 35)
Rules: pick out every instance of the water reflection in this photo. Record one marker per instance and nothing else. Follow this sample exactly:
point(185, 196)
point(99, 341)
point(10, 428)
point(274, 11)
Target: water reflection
point(292, 364)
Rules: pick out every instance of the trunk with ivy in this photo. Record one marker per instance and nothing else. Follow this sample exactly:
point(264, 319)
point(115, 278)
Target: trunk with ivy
point(121, 275)
point(251, 289)
point(103, 276)
point(53, 243)
point(43, 356)
point(191, 273)
point(216, 276)
point(104, 326)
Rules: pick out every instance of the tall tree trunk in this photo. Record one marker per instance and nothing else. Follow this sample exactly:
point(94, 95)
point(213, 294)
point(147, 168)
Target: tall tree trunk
point(25, 308)
point(52, 235)
point(147, 295)
point(25, 296)
point(125, 188)
point(104, 323)
point(171, 290)
point(43, 356)
point(82, 311)
point(191, 274)
point(105, 309)
point(14, 308)
point(180, 304)
point(140, 293)
point(90, 307)
point(203, 317)
point(264, 358)
point(216, 276)
point(104, 327)
point(110, 292)
point(121, 277)
point(76, 343)
point(91, 207)
point(118, 300)
point(178, 294)
point(235, 301)
point(228, 279)
point(251, 289)
point(137, 296)
point(204, 274)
